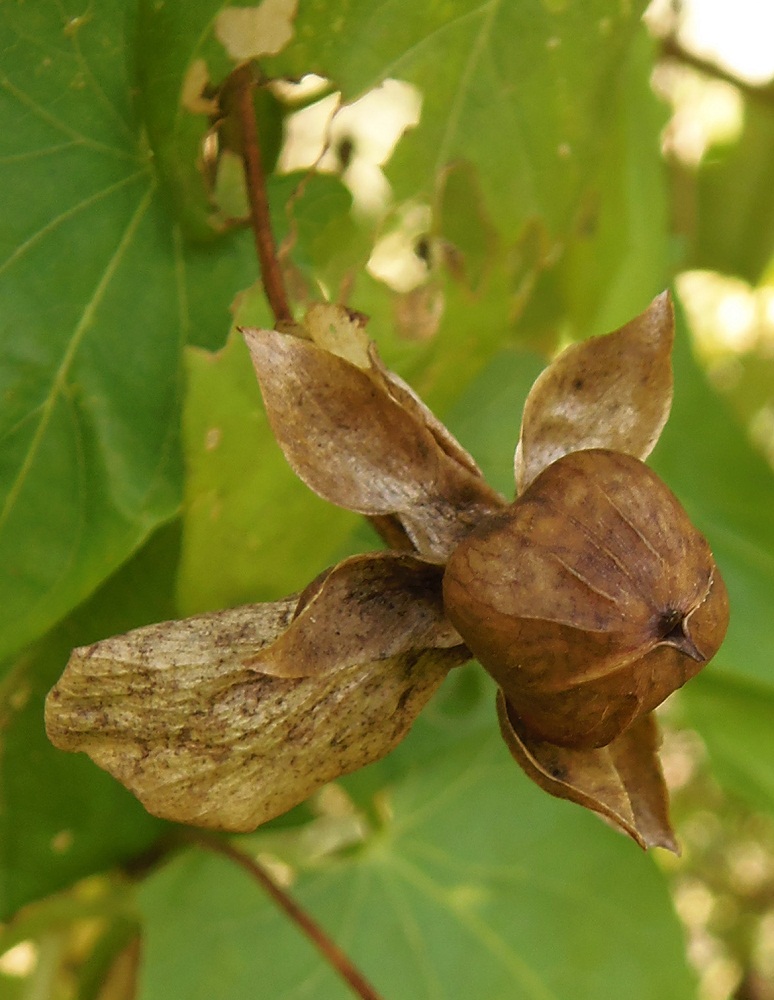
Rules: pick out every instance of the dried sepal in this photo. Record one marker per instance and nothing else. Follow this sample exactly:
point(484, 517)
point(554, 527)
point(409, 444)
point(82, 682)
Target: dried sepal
point(623, 782)
point(353, 437)
point(590, 599)
point(367, 608)
point(339, 331)
point(612, 392)
point(402, 392)
point(174, 714)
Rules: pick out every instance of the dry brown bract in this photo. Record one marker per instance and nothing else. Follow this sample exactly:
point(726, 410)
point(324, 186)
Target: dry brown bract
point(589, 599)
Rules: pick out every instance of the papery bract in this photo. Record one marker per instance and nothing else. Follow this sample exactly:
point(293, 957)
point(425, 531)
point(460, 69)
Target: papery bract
point(613, 391)
point(622, 782)
point(361, 439)
point(201, 721)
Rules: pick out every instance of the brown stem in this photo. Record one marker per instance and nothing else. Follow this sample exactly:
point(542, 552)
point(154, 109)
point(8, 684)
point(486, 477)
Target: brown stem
point(242, 82)
point(671, 48)
point(330, 951)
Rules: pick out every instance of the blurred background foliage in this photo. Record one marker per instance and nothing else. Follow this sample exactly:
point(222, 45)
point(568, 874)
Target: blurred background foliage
point(487, 182)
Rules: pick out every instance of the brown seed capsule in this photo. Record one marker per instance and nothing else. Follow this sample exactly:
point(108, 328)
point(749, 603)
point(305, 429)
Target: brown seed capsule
point(590, 599)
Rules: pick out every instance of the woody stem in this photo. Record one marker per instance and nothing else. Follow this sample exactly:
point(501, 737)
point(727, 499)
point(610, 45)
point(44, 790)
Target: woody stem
point(243, 83)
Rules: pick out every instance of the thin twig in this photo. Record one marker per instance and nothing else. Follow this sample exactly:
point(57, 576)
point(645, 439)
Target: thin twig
point(671, 48)
point(243, 82)
point(330, 951)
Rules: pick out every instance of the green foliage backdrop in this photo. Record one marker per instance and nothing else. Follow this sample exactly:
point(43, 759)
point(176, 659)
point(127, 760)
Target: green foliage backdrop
point(538, 129)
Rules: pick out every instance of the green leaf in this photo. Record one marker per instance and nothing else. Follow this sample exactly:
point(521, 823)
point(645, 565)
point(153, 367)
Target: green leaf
point(734, 227)
point(61, 818)
point(538, 901)
point(90, 343)
point(99, 293)
point(253, 531)
point(736, 721)
point(521, 91)
point(617, 259)
point(170, 37)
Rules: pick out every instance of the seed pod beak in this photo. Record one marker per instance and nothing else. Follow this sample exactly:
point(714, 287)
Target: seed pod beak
point(675, 633)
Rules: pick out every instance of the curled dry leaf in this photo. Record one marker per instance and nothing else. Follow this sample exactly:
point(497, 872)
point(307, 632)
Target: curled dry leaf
point(367, 608)
point(173, 713)
point(610, 392)
point(590, 599)
point(362, 440)
point(622, 782)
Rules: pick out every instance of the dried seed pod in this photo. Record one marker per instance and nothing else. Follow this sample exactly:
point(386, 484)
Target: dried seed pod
point(589, 600)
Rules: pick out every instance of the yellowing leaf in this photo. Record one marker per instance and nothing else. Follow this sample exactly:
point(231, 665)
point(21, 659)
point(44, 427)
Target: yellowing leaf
point(610, 392)
point(172, 712)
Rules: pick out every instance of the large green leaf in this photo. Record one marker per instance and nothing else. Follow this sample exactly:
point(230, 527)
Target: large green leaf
point(99, 292)
point(477, 886)
point(90, 342)
point(520, 90)
point(61, 818)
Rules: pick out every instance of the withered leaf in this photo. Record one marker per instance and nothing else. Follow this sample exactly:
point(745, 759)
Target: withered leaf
point(590, 599)
point(174, 714)
point(350, 439)
point(613, 392)
point(369, 607)
point(622, 782)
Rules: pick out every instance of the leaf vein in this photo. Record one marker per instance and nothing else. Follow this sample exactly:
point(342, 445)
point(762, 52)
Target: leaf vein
point(62, 372)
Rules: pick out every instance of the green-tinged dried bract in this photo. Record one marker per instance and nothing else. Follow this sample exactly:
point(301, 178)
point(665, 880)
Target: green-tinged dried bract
point(589, 600)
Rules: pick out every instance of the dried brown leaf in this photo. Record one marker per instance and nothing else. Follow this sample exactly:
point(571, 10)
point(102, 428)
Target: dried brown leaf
point(613, 392)
point(590, 599)
point(174, 714)
point(369, 607)
point(622, 782)
point(350, 438)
